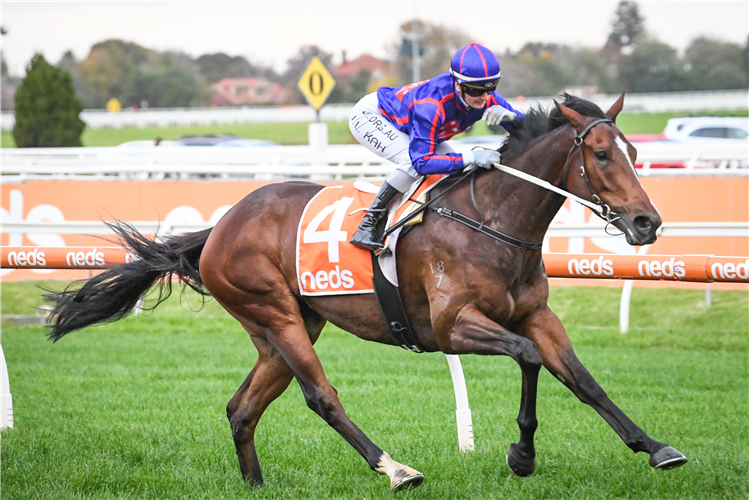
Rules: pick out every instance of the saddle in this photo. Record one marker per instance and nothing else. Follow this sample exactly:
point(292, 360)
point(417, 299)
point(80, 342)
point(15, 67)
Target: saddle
point(327, 264)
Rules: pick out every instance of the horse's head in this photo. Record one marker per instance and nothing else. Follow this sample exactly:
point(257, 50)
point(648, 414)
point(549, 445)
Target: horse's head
point(607, 174)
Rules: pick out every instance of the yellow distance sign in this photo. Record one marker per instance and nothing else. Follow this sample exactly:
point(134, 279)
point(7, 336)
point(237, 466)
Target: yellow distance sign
point(316, 83)
point(113, 105)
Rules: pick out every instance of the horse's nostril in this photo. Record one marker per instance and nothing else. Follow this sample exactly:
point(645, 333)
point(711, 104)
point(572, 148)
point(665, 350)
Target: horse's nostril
point(643, 223)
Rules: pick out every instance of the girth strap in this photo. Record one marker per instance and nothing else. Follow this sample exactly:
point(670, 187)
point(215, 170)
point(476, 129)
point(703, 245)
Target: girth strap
point(480, 227)
point(392, 309)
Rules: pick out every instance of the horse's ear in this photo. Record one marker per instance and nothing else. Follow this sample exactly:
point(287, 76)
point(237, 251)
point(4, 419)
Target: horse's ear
point(616, 108)
point(573, 117)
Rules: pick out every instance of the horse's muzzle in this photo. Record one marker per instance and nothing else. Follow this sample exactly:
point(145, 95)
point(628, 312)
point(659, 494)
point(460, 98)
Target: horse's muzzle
point(641, 230)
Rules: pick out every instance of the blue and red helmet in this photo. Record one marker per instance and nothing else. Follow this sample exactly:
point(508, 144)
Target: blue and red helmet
point(476, 65)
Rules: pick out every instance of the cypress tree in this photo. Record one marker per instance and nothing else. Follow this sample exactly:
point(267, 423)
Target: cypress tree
point(47, 108)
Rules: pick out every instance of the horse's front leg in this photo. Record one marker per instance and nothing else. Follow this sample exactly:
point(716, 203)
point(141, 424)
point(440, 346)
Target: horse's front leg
point(547, 331)
point(474, 333)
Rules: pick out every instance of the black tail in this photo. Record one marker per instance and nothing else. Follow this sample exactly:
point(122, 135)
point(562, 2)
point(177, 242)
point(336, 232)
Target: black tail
point(112, 295)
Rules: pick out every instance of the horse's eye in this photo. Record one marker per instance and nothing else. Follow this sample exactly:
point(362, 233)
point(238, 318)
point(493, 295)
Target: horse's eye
point(601, 155)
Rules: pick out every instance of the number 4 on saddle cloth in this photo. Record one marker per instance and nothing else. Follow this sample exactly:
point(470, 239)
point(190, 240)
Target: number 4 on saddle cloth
point(327, 264)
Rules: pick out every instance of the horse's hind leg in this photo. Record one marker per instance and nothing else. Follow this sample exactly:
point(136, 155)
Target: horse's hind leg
point(279, 327)
point(545, 329)
point(268, 379)
point(323, 400)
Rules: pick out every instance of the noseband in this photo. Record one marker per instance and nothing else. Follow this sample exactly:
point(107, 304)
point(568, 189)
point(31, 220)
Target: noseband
point(605, 213)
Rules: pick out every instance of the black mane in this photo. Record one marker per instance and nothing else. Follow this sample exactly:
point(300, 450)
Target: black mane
point(537, 123)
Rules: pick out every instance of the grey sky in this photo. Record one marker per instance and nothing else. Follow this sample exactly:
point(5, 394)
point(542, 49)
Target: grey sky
point(271, 32)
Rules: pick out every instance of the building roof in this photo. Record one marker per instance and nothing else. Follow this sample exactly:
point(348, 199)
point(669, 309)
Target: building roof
point(239, 91)
point(349, 69)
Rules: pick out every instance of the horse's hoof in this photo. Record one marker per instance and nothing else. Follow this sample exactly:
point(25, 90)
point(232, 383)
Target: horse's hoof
point(406, 478)
point(518, 464)
point(667, 458)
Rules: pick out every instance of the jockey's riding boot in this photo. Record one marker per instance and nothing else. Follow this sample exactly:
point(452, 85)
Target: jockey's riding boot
point(370, 233)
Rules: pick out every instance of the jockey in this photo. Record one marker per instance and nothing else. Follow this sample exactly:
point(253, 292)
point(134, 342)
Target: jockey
point(408, 126)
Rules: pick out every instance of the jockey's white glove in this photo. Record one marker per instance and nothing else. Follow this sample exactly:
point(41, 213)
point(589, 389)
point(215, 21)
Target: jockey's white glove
point(496, 114)
point(484, 158)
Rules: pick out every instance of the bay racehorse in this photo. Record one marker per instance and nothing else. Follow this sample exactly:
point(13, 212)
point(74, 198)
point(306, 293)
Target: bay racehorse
point(492, 299)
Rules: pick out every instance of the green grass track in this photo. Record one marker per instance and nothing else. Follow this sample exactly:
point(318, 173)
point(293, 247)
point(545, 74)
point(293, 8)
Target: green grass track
point(136, 409)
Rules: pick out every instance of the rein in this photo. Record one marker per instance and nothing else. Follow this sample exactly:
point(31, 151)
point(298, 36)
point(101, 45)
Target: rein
point(458, 217)
point(598, 207)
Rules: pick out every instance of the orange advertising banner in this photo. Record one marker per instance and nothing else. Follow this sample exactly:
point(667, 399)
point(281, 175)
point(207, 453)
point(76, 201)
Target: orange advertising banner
point(695, 268)
point(63, 257)
point(330, 279)
point(679, 199)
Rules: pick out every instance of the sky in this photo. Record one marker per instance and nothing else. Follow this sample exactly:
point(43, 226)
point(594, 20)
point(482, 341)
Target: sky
point(269, 33)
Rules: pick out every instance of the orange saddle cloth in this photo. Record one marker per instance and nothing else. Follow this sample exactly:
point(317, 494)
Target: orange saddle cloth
point(326, 263)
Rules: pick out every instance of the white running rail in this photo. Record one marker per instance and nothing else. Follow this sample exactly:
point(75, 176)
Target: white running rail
point(285, 162)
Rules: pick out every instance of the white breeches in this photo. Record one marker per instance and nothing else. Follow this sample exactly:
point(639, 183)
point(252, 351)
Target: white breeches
point(377, 134)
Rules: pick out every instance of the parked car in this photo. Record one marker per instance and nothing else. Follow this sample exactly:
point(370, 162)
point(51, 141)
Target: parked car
point(700, 132)
point(221, 140)
point(224, 141)
point(206, 140)
point(245, 143)
point(150, 144)
point(701, 128)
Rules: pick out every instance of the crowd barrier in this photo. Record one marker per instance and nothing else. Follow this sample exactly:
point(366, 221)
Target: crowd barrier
point(285, 162)
point(685, 268)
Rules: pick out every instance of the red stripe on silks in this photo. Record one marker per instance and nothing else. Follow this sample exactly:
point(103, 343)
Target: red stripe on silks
point(435, 120)
point(439, 111)
point(451, 158)
point(461, 58)
point(486, 70)
point(426, 99)
point(399, 121)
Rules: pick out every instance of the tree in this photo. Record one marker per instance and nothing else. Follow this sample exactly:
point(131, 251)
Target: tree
point(3, 65)
point(544, 69)
point(47, 109)
point(68, 62)
point(714, 65)
point(438, 45)
point(652, 67)
point(168, 81)
point(214, 67)
point(627, 25)
point(358, 86)
point(133, 74)
point(113, 69)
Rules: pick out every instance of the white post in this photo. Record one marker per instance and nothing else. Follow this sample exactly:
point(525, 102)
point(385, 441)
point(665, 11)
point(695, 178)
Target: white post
point(708, 295)
point(624, 305)
point(6, 400)
point(318, 137)
point(462, 411)
point(627, 297)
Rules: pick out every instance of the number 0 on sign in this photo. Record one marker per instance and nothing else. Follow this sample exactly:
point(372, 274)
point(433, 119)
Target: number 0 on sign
point(316, 83)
